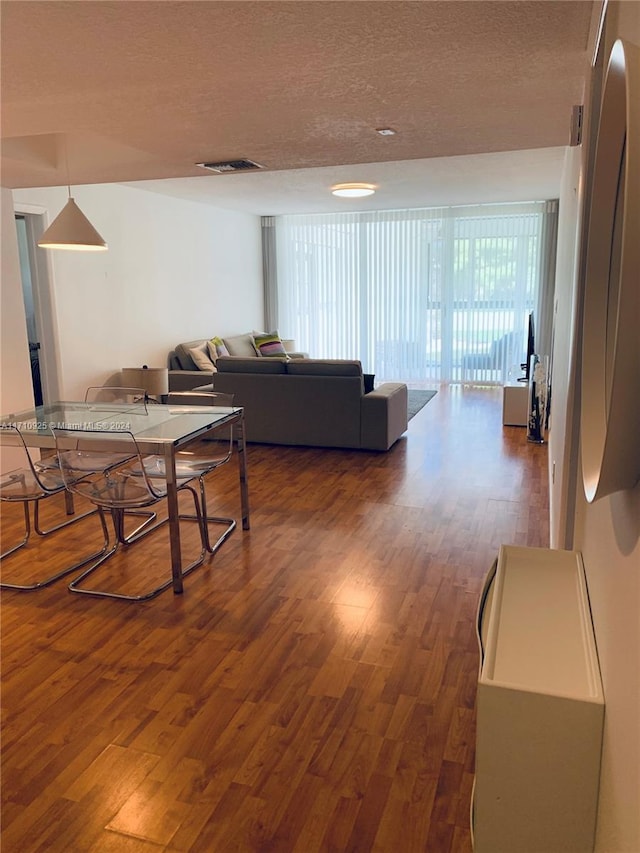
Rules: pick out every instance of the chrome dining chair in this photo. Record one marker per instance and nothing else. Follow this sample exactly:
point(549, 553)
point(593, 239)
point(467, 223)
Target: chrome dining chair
point(113, 395)
point(100, 394)
point(219, 452)
point(119, 489)
point(109, 395)
point(29, 484)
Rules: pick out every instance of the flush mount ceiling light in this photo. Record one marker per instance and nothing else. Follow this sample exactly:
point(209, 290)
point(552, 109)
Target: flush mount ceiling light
point(353, 190)
point(71, 229)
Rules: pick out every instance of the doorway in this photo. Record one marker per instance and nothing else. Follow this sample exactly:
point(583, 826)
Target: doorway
point(29, 308)
point(36, 294)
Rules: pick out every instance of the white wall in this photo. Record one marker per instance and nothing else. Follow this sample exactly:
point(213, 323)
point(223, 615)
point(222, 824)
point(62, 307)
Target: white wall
point(16, 392)
point(607, 532)
point(175, 271)
point(561, 452)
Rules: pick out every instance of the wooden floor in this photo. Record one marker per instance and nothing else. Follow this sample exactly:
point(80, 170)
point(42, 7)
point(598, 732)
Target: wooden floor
point(314, 687)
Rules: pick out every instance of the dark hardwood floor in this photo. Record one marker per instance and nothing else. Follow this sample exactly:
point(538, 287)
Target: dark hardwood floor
point(314, 687)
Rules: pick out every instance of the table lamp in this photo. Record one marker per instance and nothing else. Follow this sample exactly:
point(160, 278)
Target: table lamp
point(154, 380)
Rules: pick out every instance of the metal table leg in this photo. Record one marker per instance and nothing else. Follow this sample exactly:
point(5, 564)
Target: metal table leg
point(174, 521)
point(242, 470)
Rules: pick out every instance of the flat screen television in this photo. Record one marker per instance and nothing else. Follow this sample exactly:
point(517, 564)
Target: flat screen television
point(531, 348)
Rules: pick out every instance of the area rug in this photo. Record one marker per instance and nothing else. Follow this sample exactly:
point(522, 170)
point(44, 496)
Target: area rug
point(418, 400)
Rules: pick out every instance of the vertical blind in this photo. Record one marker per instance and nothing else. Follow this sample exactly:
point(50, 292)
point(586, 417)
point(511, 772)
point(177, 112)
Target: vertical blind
point(437, 294)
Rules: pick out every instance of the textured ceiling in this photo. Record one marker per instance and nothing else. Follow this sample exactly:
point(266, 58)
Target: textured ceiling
point(133, 91)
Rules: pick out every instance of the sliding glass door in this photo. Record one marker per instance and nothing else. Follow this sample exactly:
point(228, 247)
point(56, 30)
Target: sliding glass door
point(417, 295)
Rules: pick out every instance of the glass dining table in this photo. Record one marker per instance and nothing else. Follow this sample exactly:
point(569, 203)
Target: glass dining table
point(158, 429)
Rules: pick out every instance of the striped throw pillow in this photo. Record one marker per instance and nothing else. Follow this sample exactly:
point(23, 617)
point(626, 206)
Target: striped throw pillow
point(269, 344)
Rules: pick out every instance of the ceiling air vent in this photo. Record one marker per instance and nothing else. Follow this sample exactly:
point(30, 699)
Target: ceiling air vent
point(231, 166)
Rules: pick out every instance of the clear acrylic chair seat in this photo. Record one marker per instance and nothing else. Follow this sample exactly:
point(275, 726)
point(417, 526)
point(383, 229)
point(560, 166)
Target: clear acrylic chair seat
point(30, 484)
point(119, 489)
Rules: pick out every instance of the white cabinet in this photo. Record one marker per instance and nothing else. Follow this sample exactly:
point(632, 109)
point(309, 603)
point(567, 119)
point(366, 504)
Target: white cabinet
point(515, 404)
point(540, 707)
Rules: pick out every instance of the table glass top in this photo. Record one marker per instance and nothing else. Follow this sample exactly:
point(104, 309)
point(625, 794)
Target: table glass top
point(157, 423)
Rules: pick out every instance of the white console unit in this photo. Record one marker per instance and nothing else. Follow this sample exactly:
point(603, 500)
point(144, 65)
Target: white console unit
point(515, 404)
point(540, 707)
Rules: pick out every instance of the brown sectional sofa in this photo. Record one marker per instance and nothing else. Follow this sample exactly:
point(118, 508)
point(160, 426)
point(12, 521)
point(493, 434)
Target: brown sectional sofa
point(313, 402)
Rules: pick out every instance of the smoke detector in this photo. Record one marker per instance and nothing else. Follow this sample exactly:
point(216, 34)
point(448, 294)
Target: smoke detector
point(231, 166)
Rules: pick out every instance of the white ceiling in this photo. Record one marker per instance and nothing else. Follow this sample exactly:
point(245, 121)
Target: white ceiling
point(480, 94)
point(439, 181)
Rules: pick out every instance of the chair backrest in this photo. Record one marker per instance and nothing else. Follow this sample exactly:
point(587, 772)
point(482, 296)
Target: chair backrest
point(26, 480)
point(114, 394)
point(222, 437)
point(200, 398)
point(109, 481)
point(505, 351)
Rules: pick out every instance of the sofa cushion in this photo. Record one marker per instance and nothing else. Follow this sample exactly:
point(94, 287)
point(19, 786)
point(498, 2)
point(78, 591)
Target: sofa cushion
point(324, 367)
point(241, 345)
point(182, 356)
point(269, 344)
point(234, 364)
point(200, 356)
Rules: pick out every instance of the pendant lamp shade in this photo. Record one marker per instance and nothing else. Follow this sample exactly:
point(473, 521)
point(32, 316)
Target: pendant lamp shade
point(72, 230)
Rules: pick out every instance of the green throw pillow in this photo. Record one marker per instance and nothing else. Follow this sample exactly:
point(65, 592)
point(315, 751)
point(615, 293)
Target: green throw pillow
point(216, 348)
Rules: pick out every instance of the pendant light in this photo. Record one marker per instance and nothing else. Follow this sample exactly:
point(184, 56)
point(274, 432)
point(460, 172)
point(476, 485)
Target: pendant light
point(71, 229)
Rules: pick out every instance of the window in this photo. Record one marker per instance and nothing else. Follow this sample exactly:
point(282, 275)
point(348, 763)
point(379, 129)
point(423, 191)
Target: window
point(439, 294)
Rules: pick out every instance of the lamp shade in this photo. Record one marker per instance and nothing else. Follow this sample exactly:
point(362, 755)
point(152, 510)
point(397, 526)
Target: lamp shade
point(154, 380)
point(72, 230)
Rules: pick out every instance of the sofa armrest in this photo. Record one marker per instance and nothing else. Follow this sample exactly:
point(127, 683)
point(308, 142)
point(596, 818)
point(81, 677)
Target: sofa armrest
point(383, 416)
point(187, 380)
